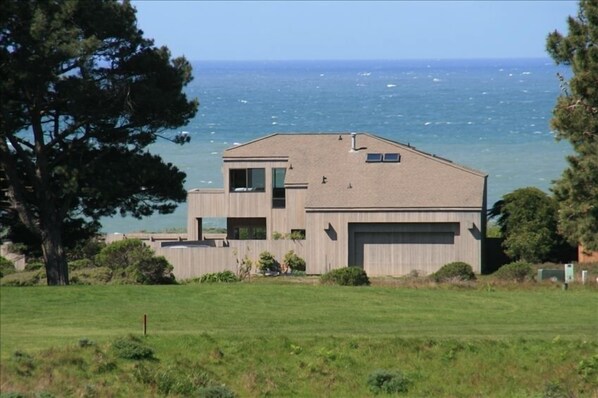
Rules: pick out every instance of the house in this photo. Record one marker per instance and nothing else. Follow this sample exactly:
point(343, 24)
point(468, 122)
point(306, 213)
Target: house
point(354, 199)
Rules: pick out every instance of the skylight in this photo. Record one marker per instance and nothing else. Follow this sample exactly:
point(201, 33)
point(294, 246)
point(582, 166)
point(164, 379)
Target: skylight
point(392, 157)
point(374, 157)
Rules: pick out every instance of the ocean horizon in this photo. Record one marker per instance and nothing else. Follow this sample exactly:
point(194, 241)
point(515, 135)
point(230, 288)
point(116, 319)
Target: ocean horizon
point(491, 115)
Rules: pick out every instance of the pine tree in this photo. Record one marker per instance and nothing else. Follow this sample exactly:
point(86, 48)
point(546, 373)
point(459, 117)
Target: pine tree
point(83, 95)
point(575, 119)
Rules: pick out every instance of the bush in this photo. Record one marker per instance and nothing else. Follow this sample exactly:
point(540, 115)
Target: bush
point(518, 271)
point(80, 264)
point(132, 348)
point(91, 276)
point(25, 278)
point(294, 262)
point(133, 262)
point(389, 382)
point(219, 277)
point(267, 262)
point(6, 267)
point(34, 266)
point(454, 271)
point(86, 249)
point(348, 276)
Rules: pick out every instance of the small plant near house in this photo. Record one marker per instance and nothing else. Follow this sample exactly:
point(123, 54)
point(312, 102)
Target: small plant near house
point(347, 276)
point(518, 271)
point(133, 262)
point(219, 277)
point(267, 262)
point(293, 261)
point(244, 268)
point(454, 271)
point(387, 382)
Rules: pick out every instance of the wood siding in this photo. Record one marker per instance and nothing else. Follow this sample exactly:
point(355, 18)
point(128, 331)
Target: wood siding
point(191, 262)
point(330, 241)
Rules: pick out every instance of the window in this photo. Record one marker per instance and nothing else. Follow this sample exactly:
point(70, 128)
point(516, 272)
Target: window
point(298, 234)
point(392, 157)
point(247, 180)
point(374, 157)
point(278, 191)
point(246, 228)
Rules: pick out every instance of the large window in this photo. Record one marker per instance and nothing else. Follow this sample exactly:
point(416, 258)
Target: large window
point(278, 192)
point(246, 228)
point(247, 180)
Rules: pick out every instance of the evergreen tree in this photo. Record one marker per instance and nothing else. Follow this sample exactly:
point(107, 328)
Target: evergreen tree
point(575, 118)
point(527, 218)
point(83, 94)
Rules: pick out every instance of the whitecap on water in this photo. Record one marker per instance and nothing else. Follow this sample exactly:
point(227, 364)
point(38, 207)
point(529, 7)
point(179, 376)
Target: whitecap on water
point(243, 101)
point(391, 85)
point(427, 123)
point(236, 143)
point(526, 73)
point(436, 80)
point(214, 153)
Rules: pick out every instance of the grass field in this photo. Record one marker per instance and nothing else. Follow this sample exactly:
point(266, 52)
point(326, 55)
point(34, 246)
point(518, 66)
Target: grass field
point(272, 339)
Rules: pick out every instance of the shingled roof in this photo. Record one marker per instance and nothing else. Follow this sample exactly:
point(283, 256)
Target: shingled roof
point(418, 181)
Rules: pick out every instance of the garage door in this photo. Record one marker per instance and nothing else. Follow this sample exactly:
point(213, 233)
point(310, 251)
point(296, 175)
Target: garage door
point(397, 249)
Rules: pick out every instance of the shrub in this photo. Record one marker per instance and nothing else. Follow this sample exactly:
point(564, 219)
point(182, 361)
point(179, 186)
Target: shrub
point(25, 278)
point(86, 249)
point(153, 270)
point(219, 277)
point(348, 276)
point(34, 266)
point(80, 264)
point(386, 381)
point(518, 271)
point(6, 267)
point(91, 276)
point(267, 262)
point(132, 348)
point(454, 271)
point(293, 261)
point(132, 262)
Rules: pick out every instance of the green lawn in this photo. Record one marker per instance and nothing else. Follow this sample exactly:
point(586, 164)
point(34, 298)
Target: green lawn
point(308, 340)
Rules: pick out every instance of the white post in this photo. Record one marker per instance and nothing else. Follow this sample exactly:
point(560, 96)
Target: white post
point(584, 276)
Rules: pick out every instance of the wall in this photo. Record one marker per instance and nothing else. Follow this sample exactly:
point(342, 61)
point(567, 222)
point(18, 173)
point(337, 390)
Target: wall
point(329, 240)
point(191, 262)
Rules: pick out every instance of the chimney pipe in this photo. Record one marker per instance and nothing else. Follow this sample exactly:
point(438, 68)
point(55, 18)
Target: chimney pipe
point(353, 144)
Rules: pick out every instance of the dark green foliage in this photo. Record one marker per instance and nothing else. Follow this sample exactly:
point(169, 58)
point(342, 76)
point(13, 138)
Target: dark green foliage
point(527, 218)
point(518, 272)
point(34, 266)
point(348, 276)
point(588, 368)
point(267, 262)
point(219, 277)
point(83, 96)
point(387, 382)
point(6, 267)
point(293, 261)
point(85, 250)
point(132, 347)
point(133, 262)
point(458, 270)
point(575, 119)
point(80, 264)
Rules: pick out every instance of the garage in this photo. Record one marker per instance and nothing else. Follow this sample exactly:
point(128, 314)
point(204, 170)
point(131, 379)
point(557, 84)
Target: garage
point(399, 248)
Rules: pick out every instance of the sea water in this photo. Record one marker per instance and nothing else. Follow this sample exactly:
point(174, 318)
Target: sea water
point(490, 115)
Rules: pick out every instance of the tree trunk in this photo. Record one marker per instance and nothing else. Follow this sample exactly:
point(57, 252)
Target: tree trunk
point(57, 272)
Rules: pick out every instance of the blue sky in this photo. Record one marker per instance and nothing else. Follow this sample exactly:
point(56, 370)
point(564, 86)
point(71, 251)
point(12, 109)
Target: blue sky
point(284, 30)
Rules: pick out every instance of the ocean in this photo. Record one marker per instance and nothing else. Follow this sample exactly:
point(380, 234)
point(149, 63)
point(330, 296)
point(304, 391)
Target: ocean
point(490, 115)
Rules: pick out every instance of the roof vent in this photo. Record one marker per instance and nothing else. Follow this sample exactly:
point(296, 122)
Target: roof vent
point(353, 142)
